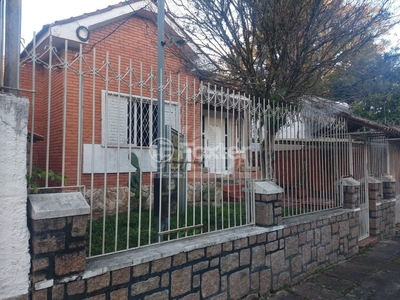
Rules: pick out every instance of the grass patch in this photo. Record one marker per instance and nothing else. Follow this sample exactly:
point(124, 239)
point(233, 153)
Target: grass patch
point(292, 211)
point(140, 233)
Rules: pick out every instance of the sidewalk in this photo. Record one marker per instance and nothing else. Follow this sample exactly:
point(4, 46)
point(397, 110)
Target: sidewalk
point(374, 274)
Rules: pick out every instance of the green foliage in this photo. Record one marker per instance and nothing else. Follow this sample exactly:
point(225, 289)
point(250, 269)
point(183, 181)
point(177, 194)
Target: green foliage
point(38, 176)
point(369, 83)
point(118, 229)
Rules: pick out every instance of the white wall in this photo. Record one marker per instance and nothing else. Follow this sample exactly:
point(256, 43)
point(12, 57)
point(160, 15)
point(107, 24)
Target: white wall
point(14, 234)
point(118, 159)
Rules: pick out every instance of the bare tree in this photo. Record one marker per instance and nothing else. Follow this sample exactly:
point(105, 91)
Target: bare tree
point(278, 49)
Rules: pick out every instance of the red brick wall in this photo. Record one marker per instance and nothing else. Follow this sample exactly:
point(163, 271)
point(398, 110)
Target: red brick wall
point(135, 43)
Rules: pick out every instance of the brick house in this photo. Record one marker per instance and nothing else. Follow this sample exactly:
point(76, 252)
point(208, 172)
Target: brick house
point(95, 99)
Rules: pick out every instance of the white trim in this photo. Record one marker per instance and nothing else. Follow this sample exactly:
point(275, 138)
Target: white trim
point(67, 30)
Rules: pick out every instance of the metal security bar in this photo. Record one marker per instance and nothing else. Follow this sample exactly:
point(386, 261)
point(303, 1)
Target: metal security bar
point(309, 155)
point(378, 156)
point(394, 156)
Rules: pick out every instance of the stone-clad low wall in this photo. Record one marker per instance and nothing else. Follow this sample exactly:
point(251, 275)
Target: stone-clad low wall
point(382, 206)
point(230, 264)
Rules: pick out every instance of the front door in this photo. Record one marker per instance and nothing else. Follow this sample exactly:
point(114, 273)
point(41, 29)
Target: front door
point(360, 173)
point(215, 144)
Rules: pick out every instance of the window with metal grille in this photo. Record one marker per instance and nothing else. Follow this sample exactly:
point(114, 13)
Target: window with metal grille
point(132, 120)
point(142, 123)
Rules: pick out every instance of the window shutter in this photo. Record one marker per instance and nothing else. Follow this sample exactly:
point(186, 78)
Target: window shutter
point(171, 115)
point(114, 119)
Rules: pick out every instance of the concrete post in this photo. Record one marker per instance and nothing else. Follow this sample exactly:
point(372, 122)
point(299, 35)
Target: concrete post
point(14, 234)
point(268, 202)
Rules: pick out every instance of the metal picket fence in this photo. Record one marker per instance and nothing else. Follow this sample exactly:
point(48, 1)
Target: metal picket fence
point(93, 128)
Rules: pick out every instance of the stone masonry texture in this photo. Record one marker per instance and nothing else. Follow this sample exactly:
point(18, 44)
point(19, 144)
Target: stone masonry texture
point(254, 265)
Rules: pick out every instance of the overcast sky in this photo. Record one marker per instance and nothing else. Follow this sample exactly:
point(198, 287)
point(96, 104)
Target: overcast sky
point(36, 13)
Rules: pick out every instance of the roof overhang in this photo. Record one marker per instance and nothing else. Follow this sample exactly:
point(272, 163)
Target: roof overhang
point(355, 123)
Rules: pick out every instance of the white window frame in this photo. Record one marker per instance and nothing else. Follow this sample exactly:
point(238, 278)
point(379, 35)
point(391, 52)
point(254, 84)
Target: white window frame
point(115, 127)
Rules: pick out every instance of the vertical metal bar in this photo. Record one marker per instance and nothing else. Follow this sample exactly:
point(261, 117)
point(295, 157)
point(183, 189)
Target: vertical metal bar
point(387, 157)
point(184, 147)
point(266, 120)
point(118, 155)
point(142, 131)
point(307, 145)
point(323, 162)
point(209, 158)
point(236, 142)
point(307, 141)
point(248, 115)
point(326, 166)
point(239, 173)
point(268, 140)
point(277, 152)
point(272, 141)
point(216, 157)
point(80, 118)
point(202, 149)
point(151, 140)
point(129, 127)
point(194, 156)
point(225, 157)
point(337, 158)
point(49, 109)
point(178, 161)
point(105, 153)
point(286, 161)
point(302, 163)
point(351, 163)
point(92, 153)
point(262, 139)
point(33, 104)
point(169, 163)
point(314, 163)
point(64, 111)
point(295, 158)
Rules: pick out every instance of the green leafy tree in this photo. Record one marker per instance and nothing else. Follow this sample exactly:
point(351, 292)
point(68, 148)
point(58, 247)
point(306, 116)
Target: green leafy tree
point(369, 82)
